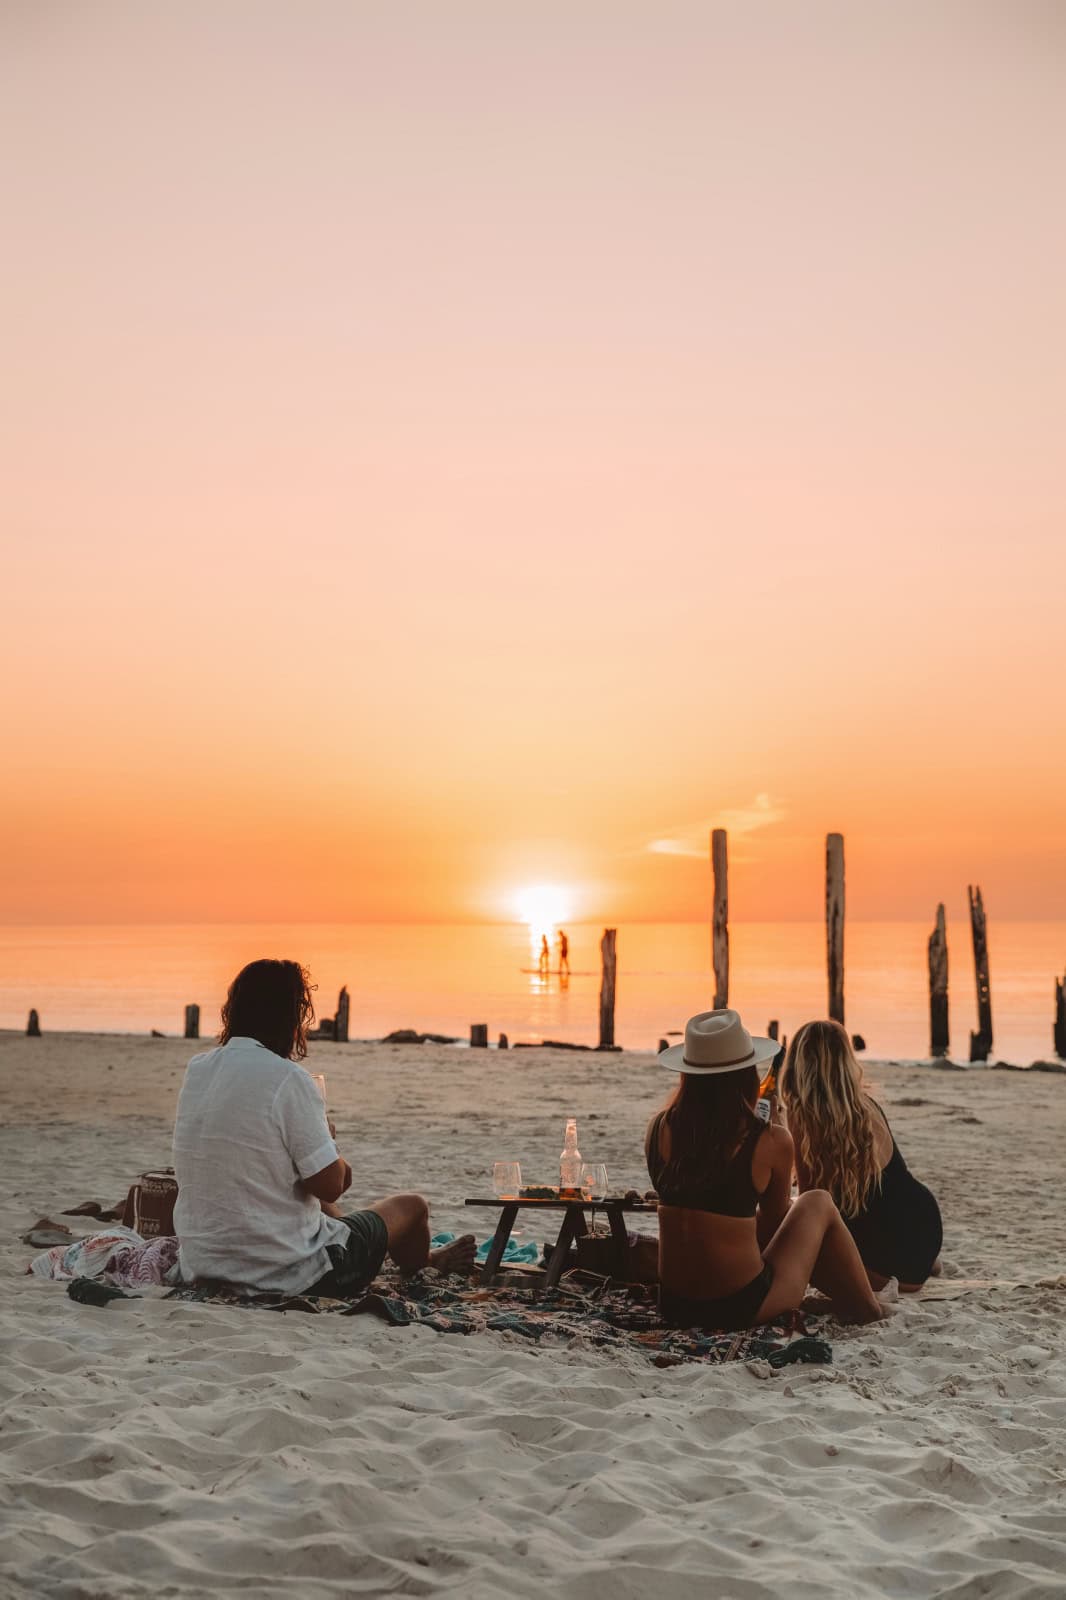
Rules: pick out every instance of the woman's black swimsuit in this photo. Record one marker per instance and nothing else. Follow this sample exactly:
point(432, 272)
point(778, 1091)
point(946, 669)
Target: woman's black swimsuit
point(730, 1193)
point(899, 1232)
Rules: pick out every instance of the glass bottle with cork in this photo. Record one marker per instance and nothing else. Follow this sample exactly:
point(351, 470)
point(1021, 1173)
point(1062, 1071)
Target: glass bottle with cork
point(570, 1162)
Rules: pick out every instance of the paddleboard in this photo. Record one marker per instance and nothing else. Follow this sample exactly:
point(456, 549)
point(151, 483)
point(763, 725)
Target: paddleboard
point(553, 972)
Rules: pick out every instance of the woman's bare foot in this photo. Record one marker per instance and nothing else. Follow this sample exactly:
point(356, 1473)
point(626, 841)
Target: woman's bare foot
point(458, 1256)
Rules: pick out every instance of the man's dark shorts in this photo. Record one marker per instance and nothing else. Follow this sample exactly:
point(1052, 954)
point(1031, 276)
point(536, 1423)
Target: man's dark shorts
point(357, 1260)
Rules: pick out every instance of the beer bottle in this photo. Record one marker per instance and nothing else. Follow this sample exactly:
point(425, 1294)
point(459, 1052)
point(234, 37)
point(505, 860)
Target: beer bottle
point(769, 1084)
point(768, 1087)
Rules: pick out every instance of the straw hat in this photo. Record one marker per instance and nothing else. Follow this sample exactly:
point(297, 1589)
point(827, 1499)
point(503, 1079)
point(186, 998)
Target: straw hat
point(717, 1041)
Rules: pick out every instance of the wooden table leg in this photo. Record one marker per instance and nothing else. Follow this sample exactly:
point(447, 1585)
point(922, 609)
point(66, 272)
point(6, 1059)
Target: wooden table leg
point(562, 1247)
point(499, 1243)
point(620, 1235)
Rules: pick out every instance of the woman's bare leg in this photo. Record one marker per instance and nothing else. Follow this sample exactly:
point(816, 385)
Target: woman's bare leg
point(812, 1245)
point(406, 1216)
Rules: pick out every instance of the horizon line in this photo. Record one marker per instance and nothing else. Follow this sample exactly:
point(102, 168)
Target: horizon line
point(490, 922)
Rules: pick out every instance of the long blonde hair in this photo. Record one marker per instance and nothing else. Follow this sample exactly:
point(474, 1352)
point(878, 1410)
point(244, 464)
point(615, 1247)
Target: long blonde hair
point(829, 1115)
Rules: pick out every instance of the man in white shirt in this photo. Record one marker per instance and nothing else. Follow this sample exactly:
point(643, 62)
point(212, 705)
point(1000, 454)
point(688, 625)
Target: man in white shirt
point(258, 1170)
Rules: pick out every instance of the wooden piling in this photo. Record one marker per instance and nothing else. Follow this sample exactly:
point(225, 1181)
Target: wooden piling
point(479, 1036)
point(834, 922)
point(938, 987)
point(771, 1030)
point(720, 918)
point(33, 1026)
point(340, 1021)
point(981, 1041)
point(1060, 1018)
point(608, 958)
point(192, 1022)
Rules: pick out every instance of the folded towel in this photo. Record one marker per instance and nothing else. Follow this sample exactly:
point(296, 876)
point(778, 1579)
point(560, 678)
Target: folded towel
point(117, 1256)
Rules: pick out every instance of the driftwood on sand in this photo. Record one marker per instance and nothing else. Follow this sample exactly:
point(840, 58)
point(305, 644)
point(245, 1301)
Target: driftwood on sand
point(412, 1036)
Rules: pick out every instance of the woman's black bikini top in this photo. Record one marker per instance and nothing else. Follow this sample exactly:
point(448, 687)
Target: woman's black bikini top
point(728, 1193)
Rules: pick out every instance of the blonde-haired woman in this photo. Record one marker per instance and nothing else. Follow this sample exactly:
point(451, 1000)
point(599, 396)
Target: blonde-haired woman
point(844, 1144)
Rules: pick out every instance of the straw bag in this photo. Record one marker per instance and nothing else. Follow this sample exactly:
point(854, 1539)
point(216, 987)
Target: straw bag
point(149, 1207)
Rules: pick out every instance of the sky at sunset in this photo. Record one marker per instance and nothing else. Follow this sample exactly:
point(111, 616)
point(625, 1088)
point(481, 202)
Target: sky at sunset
point(454, 446)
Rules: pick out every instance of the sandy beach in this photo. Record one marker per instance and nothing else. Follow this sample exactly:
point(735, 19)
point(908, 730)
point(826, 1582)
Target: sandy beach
point(165, 1448)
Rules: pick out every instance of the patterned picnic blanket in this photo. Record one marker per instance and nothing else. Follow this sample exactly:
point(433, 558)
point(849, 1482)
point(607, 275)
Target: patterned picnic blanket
point(582, 1311)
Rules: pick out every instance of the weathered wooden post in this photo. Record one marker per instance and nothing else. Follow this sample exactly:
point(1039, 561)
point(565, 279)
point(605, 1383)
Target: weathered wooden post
point(939, 1039)
point(1060, 1018)
point(771, 1030)
point(192, 1022)
point(479, 1036)
point(720, 918)
point(33, 1026)
point(340, 1021)
point(608, 958)
point(981, 1041)
point(834, 922)
point(504, 1042)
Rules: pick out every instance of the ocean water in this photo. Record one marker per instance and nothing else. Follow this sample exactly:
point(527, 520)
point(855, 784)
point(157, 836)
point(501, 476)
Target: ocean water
point(441, 979)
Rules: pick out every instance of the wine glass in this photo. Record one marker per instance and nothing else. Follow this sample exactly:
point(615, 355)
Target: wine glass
point(506, 1180)
point(320, 1084)
point(593, 1180)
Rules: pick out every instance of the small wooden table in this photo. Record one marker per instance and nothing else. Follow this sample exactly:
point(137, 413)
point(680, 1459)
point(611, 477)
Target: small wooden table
point(573, 1227)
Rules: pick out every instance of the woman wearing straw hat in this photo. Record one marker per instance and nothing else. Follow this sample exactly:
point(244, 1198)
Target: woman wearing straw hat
point(733, 1251)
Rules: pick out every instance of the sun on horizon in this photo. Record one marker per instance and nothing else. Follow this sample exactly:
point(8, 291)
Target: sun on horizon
point(543, 907)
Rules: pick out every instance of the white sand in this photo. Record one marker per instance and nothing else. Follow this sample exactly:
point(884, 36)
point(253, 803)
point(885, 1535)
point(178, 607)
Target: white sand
point(170, 1449)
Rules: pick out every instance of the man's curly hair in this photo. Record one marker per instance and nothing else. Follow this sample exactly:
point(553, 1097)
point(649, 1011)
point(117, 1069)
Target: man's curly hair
point(270, 1001)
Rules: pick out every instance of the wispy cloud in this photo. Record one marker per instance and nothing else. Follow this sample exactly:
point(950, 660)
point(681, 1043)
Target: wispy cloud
point(694, 840)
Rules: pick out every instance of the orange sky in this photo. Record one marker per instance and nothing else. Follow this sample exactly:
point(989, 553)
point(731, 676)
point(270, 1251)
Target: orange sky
point(447, 447)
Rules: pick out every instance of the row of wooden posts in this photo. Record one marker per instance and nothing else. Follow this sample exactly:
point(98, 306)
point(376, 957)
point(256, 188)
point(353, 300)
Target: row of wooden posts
point(336, 1027)
point(479, 1033)
point(939, 1038)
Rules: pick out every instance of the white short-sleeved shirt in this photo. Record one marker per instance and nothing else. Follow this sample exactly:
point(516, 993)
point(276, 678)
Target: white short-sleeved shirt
point(249, 1127)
